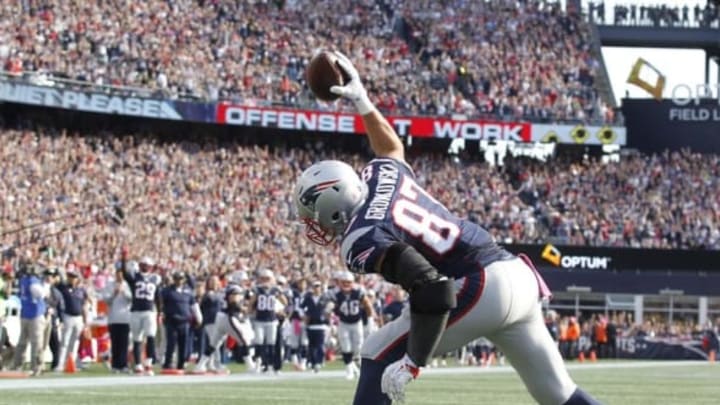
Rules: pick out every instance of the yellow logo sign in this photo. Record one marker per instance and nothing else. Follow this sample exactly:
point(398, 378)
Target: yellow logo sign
point(656, 89)
point(551, 254)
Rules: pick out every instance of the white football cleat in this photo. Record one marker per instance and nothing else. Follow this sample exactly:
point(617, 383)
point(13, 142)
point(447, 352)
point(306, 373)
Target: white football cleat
point(201, 366)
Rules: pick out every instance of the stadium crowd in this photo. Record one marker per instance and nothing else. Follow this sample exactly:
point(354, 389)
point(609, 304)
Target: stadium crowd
point(210, 206)
point(499, 59)
point(209, 209)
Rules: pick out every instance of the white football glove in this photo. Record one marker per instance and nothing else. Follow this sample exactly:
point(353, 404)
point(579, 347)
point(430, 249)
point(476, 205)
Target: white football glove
point(354, 89)
point(396, 376)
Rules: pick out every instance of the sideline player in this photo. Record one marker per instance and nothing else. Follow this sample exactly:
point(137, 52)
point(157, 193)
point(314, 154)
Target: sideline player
point(143, 311)
point(266, 302)
point(297, 334)
point(462, 284)
point(230, 320)
point(350, 303)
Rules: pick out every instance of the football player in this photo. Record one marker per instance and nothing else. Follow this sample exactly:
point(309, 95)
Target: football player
point(461, 284)
point(231, 320)
point(297, 334)
point(350, 302)
point(317, 307)
point(144, 285)
point(267, 301)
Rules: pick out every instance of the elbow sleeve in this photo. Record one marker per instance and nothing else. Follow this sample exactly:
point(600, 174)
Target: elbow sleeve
point(430, 291)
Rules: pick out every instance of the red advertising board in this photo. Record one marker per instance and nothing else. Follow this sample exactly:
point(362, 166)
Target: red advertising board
point(326, 121)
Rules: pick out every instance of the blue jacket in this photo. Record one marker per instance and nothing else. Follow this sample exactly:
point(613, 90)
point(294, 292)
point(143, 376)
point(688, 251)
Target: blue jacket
point(32, 307)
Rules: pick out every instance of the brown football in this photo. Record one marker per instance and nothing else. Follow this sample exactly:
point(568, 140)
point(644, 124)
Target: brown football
point(322, 73)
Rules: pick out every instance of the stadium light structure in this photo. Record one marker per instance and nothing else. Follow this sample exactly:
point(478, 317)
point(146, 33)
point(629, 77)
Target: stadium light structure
point(578, 289)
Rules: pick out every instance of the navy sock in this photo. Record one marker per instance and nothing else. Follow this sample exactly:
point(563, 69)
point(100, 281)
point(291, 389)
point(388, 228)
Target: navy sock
point(150, 349)
point(268, 355)
point(347, 358)
point(137, 354)
point(580, 397)
point(209, 350)
point(368, 388)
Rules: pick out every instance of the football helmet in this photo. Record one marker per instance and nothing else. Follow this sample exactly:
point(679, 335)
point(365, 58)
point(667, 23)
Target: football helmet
point(327, 195)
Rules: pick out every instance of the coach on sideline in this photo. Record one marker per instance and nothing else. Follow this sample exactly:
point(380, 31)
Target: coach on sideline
point(74, 317)
point(178, 307)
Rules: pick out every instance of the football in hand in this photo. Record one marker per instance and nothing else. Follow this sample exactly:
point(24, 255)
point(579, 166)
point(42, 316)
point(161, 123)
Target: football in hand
point(322, 73)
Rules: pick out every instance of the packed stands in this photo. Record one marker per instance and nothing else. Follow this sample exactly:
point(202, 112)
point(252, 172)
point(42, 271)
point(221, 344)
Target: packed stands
point(215, 207)
point(496, 59)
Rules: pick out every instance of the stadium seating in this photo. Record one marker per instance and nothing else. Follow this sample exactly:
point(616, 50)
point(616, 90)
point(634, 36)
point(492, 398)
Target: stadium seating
point(213, 207)
point(495, 59)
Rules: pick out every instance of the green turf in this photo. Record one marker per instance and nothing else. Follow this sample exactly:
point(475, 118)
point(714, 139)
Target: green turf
point(648, 385)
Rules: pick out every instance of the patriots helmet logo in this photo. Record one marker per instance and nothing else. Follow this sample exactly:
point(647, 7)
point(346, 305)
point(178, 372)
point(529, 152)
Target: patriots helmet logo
point(310, 196)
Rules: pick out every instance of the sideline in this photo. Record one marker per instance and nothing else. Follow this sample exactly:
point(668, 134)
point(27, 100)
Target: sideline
point(129, 380)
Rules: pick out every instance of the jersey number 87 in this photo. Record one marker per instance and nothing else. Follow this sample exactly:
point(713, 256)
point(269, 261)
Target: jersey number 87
point(435, 232)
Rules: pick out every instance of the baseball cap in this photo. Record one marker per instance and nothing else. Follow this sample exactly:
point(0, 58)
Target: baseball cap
point(147, 261)
point(316, 283)
point(281, 280)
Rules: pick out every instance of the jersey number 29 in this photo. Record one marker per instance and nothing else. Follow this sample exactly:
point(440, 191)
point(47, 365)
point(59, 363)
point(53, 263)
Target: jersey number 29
point(435, 232)
point(145, 291)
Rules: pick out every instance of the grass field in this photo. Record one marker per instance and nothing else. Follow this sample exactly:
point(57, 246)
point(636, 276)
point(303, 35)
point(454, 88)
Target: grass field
point(612, 382)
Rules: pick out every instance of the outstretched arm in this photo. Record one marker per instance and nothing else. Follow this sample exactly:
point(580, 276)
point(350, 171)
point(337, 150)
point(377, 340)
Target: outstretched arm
point(384, 141)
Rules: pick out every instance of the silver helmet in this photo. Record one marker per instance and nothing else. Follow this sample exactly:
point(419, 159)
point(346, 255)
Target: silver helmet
point(327, 195)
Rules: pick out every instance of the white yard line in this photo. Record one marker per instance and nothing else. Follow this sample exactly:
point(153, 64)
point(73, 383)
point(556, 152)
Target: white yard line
point(120, 381)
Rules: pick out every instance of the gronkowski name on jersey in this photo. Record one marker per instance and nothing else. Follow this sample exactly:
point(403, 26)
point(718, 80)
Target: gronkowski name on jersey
point(398, 210)
point(144, 287)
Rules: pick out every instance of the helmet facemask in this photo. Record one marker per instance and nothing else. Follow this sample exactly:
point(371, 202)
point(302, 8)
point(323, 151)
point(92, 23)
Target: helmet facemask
point(315, 232)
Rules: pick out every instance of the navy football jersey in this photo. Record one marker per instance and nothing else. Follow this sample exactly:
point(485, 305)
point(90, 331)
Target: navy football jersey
point(265, 302)
point(144, 287)
point(295, 300)
point(210, 304)
point(348, 306)
point(398, 210)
